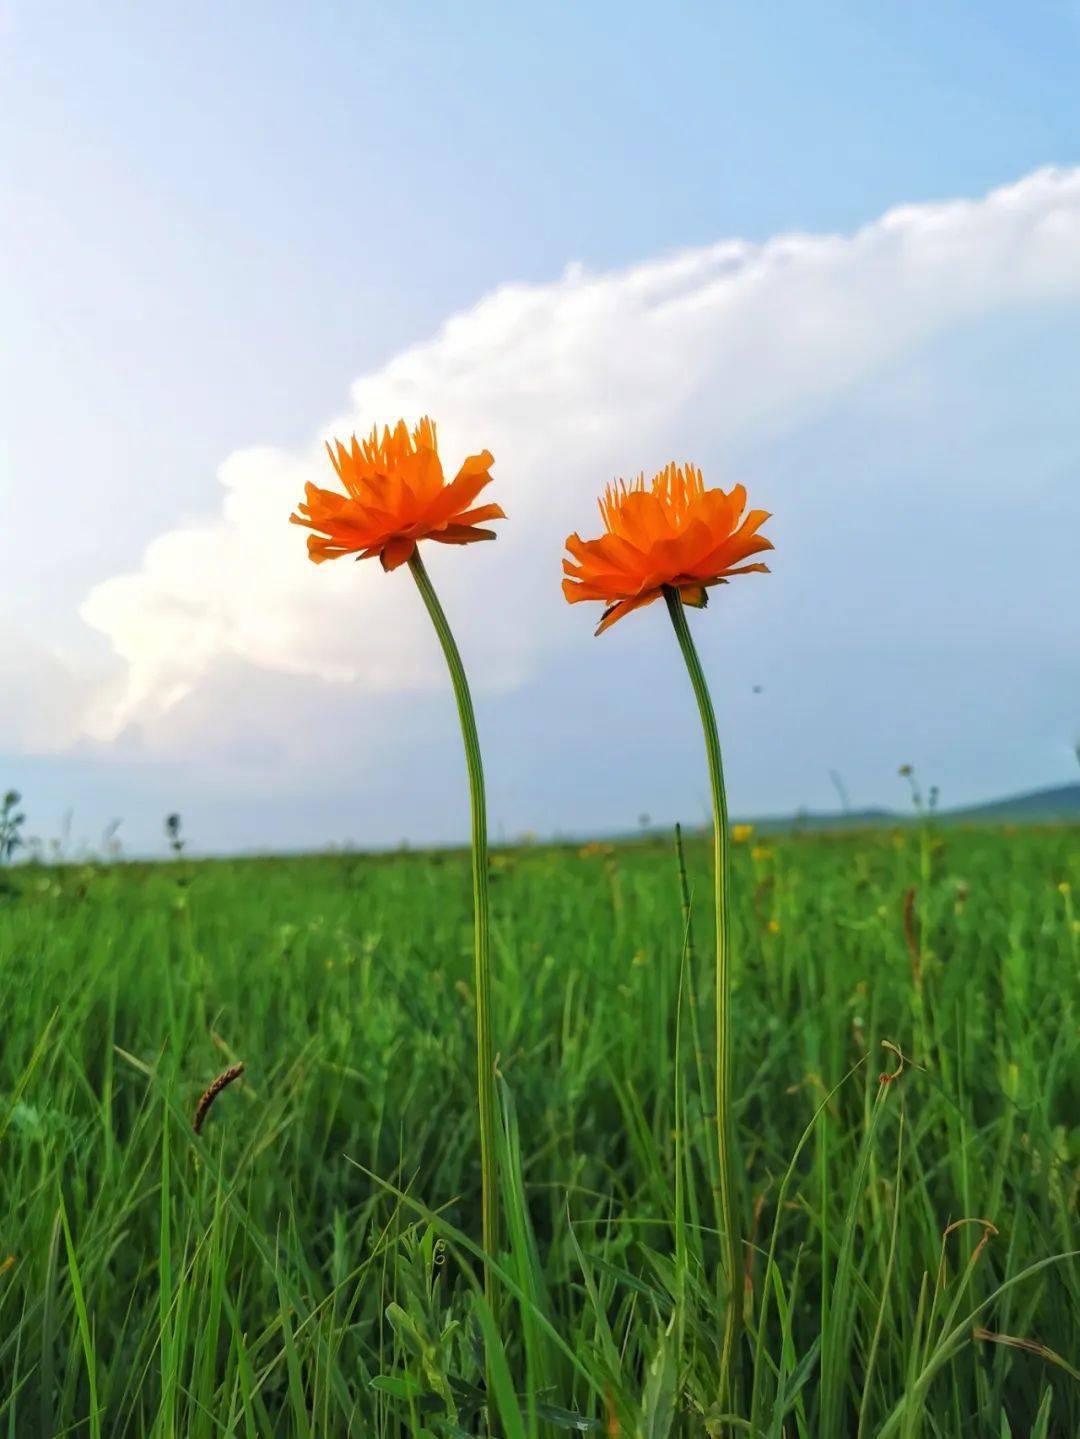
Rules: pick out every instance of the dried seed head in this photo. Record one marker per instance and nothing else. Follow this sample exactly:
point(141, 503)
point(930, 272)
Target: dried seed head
point(221, 1082)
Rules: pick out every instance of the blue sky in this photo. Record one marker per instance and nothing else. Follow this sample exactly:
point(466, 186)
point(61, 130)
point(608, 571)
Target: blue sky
point(217, 219)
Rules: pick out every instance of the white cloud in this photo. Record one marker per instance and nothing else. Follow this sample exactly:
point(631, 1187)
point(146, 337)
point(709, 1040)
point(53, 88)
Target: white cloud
point(568, 384)
point(46, 692)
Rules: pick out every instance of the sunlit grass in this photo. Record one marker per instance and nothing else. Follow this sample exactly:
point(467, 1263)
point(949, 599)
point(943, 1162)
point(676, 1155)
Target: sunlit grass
point(310, 1264)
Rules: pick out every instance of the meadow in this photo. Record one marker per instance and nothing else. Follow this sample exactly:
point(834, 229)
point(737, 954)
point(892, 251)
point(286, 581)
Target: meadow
point(308, 1264)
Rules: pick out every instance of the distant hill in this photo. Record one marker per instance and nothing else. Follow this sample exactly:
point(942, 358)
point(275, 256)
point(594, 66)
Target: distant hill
point(1060, 805)
point(822, 819)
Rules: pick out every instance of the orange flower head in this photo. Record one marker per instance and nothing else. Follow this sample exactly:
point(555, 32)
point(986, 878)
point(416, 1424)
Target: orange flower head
point(674, 532)
point(395, 494)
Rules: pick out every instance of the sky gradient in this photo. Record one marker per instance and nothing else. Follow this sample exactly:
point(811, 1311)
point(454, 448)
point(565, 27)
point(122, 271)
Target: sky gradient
point(822, 254)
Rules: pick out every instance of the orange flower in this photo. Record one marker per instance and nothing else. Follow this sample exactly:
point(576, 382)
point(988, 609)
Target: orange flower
point(395, 495)
point(674, 533)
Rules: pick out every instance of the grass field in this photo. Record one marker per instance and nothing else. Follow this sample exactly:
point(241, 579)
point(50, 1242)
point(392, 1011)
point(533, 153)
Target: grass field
point(307, 1265)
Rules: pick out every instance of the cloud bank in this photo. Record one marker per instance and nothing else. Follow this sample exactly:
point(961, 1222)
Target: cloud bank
point(694, 355)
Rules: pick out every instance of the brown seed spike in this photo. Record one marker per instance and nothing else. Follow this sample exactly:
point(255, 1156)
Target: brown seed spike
point(221, 1082)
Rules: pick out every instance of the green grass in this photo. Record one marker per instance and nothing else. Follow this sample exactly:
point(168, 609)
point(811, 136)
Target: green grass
point(310, 1264)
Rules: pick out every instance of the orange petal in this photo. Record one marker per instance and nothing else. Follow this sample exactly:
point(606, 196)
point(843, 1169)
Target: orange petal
point(476, 464)
point(575, 591)
point(625, 607)
point(641, 519)
point(320, 549)
point(746, 570)
point(460, 534)
point(482, 512)
point(396, 551)
point(720, 560)
point(458, 495)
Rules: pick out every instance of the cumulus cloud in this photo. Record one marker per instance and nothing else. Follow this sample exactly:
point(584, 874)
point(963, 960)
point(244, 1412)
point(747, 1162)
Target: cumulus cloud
point(46, 692)
point(569, 384)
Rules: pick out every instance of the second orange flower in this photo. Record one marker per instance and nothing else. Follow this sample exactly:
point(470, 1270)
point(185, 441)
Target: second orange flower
point(673, 533)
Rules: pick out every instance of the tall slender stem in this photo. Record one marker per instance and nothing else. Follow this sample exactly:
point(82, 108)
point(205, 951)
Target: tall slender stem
point(485, 1053)
point(725, 1137)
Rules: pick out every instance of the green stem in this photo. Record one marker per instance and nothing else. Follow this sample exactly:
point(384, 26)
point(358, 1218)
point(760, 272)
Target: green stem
point(725, 1138)
point(485, 1053)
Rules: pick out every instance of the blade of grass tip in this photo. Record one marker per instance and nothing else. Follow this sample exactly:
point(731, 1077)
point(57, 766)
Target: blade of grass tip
point(297, 1400)
point(1042, 1418)
point(608, 1348)
point(912, 1407)
point(211, 1328)
point(826, 1232)
point(837, 1337)
point(48, 1329)
point(256, 1417)
point(790, 1389)
point(524, 1258)
point(85, 1337)
point(661, 1384)
point(165, 1286)
point(781, 1197)
point(871, 1358)
point(788, 1393)
point(959, 1335)
point(502, 1388)
point(706, 1090)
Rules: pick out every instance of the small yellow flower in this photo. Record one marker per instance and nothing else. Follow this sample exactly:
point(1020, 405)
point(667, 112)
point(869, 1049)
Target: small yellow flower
point(1065, 888)
point(761, 853)
point(774, 926)
point(740, 833)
